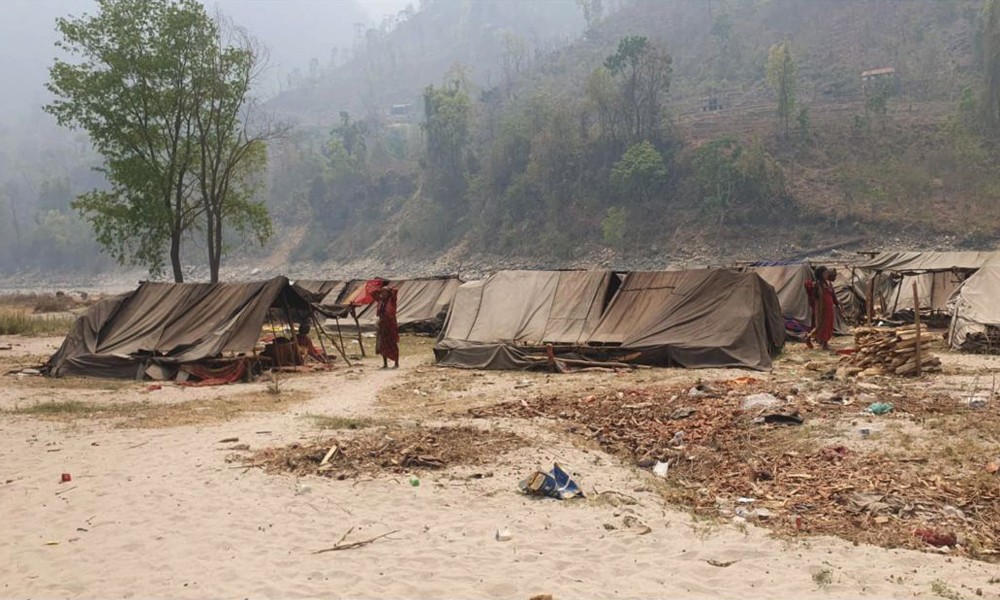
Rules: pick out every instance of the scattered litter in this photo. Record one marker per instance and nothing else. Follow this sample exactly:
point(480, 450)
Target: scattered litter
point(865, 432)
point(763, 400)
point(503, 535)
point(677, 440)
point(660, 469)
point(762, 513)
point(153, 387)
point(557, 483)
point(880, 408)
point(681, 413)
point(936, 538)
point(779, 419)
point(722, 564)
point(31, 372)
point(65, 478)
point(541, 597)
point(228, 440)
point(745, 500)
point(414, 481)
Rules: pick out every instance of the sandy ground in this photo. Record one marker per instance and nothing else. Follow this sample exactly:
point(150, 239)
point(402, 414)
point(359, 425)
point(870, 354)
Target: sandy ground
point(159, 512)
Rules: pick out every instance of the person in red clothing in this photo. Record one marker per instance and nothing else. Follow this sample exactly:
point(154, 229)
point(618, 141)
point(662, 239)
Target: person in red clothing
point(813, 294)
point(825, 306)
point(387, 332)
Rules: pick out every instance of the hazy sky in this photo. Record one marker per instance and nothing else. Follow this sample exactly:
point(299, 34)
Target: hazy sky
point(294, 31)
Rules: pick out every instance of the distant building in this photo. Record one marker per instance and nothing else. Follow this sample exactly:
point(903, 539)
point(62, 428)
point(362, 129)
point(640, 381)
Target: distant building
point(400, 110)
point(884, 72)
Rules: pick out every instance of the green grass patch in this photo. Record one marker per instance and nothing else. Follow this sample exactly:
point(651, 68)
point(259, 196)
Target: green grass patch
point(60, 408)
point(20, 322)
point(338, 422)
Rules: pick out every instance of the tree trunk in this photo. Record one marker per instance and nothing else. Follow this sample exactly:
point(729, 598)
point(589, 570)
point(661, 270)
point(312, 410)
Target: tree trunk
point(175, 256)
point(213, 251)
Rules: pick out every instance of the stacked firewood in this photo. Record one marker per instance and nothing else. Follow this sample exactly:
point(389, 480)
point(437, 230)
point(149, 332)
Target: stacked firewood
point(891, 351)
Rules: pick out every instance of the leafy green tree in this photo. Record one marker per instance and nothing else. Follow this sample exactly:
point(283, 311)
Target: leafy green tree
point(614, 225)
point(163, 91)
point(877, 93)
point(781, 76)
point(128, 82)
point(447, 112)
point(990, 50)
point(730, 177)
point(232, 148)
point(639, 173)
point(643, 72)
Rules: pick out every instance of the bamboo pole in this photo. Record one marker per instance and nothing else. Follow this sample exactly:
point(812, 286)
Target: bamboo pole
point(354, 314)
point(333, 342)
point(916, 321)
point(870, 300)
point(291, 327)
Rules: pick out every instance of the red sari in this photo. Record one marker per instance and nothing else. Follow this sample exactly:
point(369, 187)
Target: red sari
point(387, 333)
point(825, 313)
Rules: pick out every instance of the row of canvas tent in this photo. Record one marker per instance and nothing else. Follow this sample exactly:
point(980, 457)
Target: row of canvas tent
point(694, 318)
point(170, 330)
point(685, 318)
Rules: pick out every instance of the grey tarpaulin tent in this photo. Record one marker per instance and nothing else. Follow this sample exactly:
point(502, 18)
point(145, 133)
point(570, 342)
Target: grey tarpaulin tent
point(422, 302)
point(702, 318)
point(158, 326)
point(975, 313)
point(789, 282)
point(937, 275)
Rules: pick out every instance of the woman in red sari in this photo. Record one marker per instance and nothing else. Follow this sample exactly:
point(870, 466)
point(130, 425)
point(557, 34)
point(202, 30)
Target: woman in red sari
point(826, 307)
point(387, 332)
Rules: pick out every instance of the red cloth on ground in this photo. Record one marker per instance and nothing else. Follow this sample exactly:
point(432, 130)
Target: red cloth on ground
point(387, 334)
point(825, 312)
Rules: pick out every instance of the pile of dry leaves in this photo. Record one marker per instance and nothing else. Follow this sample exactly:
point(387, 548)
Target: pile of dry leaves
point(386, 450)
point(734, 450)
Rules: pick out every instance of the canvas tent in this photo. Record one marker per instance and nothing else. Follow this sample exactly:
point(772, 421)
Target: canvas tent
point(700, 318)
point(975, 313)
point(422, 301)
point(909, 263)
point(937, 275)
point(789, 282)
point(160, 326)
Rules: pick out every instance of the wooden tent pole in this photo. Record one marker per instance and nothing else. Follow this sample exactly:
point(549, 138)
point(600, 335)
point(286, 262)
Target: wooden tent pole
point(361, 343)
point(333, 342)
point(870, 300)
point(916, 321)
point(340, 334)
point(291, 326)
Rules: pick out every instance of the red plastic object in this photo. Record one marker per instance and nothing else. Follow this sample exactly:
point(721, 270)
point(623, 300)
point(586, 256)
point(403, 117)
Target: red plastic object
point(66, 477)
point(936, 538)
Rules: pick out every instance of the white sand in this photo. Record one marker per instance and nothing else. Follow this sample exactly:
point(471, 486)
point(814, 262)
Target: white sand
point(158, 513)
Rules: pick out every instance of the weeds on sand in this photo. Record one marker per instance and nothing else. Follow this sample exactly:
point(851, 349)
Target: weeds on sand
point(19, 322)
point(339, 422)
point(823, 577)
point(150, 415)
point(941, 589)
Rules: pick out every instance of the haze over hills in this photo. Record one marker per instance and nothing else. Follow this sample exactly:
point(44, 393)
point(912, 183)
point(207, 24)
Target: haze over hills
point(522, 153)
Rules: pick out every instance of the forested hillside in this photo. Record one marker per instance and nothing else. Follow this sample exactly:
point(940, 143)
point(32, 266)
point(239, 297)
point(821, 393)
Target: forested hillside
point(733, 126)
point(709, 128)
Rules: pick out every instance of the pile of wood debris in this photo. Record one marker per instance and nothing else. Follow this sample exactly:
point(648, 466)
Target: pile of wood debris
point(725, 460)
point(386, 450)
point(881, 351)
